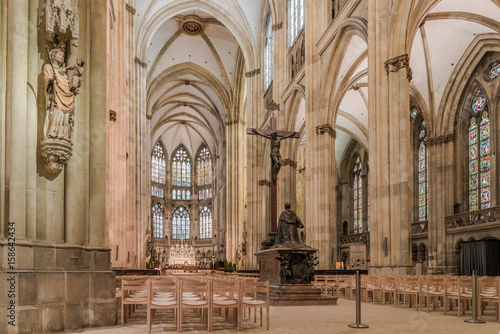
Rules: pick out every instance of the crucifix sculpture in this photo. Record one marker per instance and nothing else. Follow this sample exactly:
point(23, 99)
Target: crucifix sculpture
point(276, 136)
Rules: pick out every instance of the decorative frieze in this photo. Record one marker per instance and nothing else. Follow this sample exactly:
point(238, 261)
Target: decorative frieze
point(419, 227)
point(252, 73)
point(440, 140)
point(264, 183)
point(277, 26)
point(359, 238)
point(130, 9)
point(141, 63)
point(289, 162)
point(397, 63)
point(326, 128)
point(472, 218)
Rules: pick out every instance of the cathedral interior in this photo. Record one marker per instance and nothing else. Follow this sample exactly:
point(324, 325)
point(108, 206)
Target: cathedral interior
point(131, 136)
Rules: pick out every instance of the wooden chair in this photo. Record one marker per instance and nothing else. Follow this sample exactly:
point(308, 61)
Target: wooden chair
point(198, 296)
point(254, 288)
point(411, 288)
point(436, 290)
point(134, 292)
point(163, 294)
point(226, 296)
point(388, 289)
point(331, 283)
point(487, 292)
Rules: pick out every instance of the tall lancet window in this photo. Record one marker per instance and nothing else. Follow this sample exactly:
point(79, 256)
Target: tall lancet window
point(367, 195)
point(181, 222)
point(295, 19)
point(205, 223)
point(358, 197)
point(158, 220)
point(422, 172)
point(268, 52)
point(204, 173)
point(479, 154)
point(181, 175)
point(158, 171)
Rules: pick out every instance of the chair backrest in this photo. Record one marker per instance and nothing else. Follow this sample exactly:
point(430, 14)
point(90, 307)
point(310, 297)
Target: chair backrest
point(202, 289)
point(131, 286)
point(255, 287)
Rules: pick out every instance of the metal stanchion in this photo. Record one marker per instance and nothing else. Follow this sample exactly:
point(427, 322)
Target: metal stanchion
point(474, 319)
point(358, 323)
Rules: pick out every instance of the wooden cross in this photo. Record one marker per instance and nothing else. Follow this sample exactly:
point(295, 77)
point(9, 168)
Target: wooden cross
point(275, 136)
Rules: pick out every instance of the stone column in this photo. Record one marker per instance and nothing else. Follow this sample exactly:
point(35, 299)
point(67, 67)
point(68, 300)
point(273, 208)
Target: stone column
point(440, 202)
point(389, 144)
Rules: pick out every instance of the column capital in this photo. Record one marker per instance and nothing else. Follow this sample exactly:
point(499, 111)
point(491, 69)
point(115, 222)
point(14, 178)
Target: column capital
point(252, 73)
point(264, 183)
point(440, 140)
point(277, 26)
point(141, 63)
point(397, 63)
point(289, 162)
point(326, 128)
point(130, 9)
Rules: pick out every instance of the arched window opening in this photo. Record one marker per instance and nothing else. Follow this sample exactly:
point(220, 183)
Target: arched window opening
point(479, 154)
point(181, 222)
point(268, 52)
point(204, 173)
point(158, 165)
point(295, 19)
point(181, 169)
point(422, 173)
point(358, 197)
point(158, 220)
point(205, 223)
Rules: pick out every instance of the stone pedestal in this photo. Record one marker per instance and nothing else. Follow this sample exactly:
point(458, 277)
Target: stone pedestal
point(289, 275)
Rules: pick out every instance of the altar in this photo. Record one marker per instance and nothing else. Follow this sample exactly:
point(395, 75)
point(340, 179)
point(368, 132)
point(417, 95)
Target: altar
point(181, 255)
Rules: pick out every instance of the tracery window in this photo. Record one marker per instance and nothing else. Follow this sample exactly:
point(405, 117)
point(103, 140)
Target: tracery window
point(422, 172)
point(367, 196)
point(181, 169)
point(181, 222)
point(268, 52)
point(295, 18)
point(158, 165)
point(205, 223)
point(494, 71)
point(158, 221)
point(358, 197)
point(479, 154)
point(204, 174)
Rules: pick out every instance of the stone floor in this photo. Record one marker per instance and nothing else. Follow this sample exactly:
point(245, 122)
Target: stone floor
point(333, 319)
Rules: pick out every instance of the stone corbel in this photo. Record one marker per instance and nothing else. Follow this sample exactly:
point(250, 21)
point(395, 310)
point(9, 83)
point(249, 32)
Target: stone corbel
point(326, 128)
point(289, 162)
point(141, 63)
point(397, 63)
point(440, 140)
point(277, 26)
point(112, 115)
point(264, 183)
point(130, 9)
point(272, 106)
point(252, 73)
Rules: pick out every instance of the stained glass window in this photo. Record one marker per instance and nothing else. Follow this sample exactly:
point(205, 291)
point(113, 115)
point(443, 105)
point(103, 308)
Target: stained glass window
point(157, 191)
point(204, 167)
point(422, 173)
point(205, 223)
point(495, 70)
point(358, 197)
point(181, 168)
point(201, 194)
point(181, 222)
point(268, 52)
point(413, 113)
point(158, 221)
point(295, 18)
point(368, 196)
point(158, 165)
point(479, 156)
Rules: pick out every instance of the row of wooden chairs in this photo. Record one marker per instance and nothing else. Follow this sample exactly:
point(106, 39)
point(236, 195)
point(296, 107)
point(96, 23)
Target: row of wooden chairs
point(422, 291)
point(229, 297)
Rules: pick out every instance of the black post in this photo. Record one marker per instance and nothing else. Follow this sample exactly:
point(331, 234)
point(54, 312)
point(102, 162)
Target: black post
point(358, 323)
point(474, 319)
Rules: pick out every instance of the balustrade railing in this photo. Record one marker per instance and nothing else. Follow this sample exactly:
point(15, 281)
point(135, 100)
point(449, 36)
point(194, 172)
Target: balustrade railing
point(473, 218)
point(419, 227)
point(355, 238)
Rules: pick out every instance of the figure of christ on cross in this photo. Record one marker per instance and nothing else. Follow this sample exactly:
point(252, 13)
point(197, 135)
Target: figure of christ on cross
point(276, 136)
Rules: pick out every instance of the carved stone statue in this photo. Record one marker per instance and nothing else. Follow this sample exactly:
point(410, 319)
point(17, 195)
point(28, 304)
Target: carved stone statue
point(60, 92)
point(287, 233)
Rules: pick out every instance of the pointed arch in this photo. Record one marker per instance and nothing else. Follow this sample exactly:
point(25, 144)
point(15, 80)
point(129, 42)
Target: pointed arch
point(181, 223)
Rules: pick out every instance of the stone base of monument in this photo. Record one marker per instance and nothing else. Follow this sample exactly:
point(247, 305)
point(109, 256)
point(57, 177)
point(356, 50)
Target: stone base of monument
point(289, 272)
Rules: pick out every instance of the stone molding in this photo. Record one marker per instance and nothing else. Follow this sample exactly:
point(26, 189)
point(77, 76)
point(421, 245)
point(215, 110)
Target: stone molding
point(264, 183)
point(236, 121)
point(289, 162)
point(272, 106)
point(252, 73)
point(440, 140)
point(130, 9)
point(326, 128)
point(141, 63)
point(397, 63)
point(277, 26)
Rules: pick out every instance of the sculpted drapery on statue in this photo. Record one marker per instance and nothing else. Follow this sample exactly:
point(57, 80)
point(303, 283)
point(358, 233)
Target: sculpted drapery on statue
point(287, 233)
point(60, 91)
